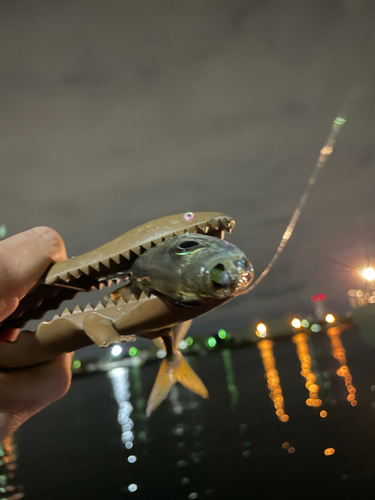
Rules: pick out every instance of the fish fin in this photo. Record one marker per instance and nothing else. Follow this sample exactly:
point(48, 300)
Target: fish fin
point(187, 377)
point(159, 343)
point(169, 373)
point(161, 387)
point(180, 331)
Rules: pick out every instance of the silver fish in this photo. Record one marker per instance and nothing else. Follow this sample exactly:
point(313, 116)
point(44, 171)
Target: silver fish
point(193, 268)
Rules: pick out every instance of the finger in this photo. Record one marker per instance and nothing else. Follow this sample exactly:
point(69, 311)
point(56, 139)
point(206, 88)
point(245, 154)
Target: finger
point(23, 260)
point(25, 392)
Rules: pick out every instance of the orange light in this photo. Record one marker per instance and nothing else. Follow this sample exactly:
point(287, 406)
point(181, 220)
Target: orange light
point(339, 353)
point(323, 414)
point(300, 339)
point(273, 379)
point(329, 451)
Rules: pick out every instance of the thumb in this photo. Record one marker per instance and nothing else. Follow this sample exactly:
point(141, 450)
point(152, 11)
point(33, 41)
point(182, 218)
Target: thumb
point(23, 260)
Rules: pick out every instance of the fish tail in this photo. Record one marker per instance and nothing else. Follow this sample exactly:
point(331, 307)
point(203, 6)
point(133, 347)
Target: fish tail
point(169, 373)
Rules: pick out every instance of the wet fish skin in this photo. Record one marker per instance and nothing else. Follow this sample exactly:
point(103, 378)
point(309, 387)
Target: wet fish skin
point(192, 268)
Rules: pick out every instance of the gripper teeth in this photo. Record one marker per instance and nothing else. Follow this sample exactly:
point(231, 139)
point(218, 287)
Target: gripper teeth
point(95, 266)
point(66, 312)
point(85, 270)
point(75, 273)
point(146, 246)
point(201, 228)
point(64, 277)
point(115, 258)
point(99, 305)
point(88, 308)
point(156, 241)
point(110, 303)
point(126, 293)
point(134, 254)
point(126, 254)
point(121, 301)
point(136, 251)
point(179, 233)
point(77, 309)
point(214, 224)
point(105, 262)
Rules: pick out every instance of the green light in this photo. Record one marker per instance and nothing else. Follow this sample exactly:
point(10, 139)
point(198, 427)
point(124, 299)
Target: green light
point(76, 364)
point(305, 323)
point(3, 231)
point(133, 351)
point(189, 340)
point(222, 334)
point(339, 121)
point(315, 328)
point(211, 342)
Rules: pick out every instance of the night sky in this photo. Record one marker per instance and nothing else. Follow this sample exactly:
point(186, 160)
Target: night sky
point(116, 113)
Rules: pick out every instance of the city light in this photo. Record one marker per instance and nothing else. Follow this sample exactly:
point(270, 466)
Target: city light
point(133, 351)
point(116, 350)
point(330, 318)
point(261, 330)
point(183, 344)
point(222, 334)
point(189, 341)
point(296, 323)
point(368, 274)
point(211, 342)
point(315, 328)
point(318, 298)
point(305, 323)
point(329, 451)
point(77, 364)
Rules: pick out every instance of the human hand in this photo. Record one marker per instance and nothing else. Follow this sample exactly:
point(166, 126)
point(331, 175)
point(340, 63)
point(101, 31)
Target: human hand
point(23, 260)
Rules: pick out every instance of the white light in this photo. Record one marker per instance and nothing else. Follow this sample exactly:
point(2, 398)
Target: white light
point(369, 274)
point(116, 350)
point(296, 323)
point(261, 328)
point(330, 318)
point(132, 459)
point(132, 488)
point(161, 353)
point(183, 344)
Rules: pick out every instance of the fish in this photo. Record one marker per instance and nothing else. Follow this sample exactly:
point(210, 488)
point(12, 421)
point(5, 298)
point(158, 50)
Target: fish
point(191, 269)
point(187, 270)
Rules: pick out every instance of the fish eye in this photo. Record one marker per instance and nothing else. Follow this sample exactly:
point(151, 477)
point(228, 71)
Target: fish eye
point(188, 244)
point(186, 247)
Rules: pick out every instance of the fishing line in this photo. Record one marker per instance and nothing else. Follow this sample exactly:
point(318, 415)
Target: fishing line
point(325, 153)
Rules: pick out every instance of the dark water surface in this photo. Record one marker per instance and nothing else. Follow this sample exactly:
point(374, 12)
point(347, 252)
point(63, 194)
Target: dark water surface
point(230, 446)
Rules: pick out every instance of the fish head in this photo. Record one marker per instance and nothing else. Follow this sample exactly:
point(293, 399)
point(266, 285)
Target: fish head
point(191, 268)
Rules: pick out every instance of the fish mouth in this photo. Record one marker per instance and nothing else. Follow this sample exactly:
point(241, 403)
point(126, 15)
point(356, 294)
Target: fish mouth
point(231, 277)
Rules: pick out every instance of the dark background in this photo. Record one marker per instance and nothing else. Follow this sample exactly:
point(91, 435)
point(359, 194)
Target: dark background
point(114, 113)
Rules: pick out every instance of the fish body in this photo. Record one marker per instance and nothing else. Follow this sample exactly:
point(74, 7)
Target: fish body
point(191, 269)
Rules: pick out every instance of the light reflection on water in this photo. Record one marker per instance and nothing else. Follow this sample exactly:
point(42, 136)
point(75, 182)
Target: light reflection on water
point(215, 448)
